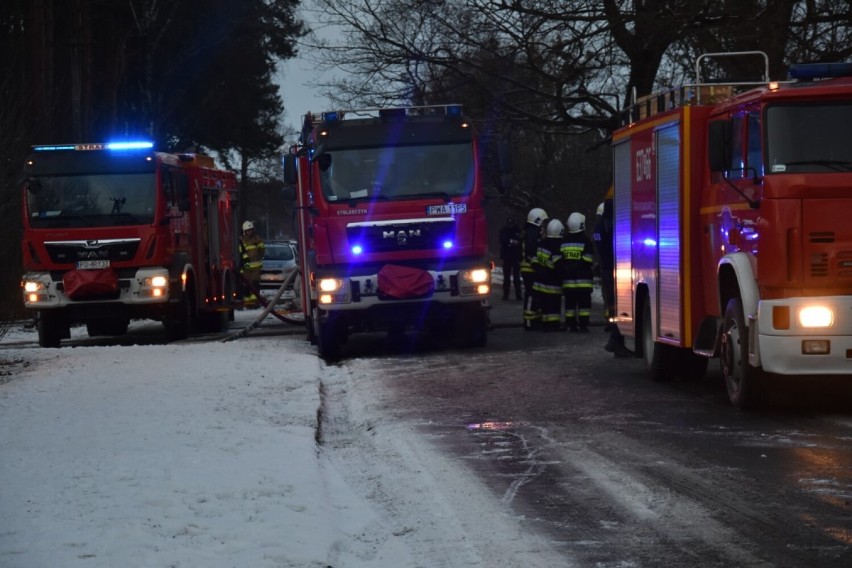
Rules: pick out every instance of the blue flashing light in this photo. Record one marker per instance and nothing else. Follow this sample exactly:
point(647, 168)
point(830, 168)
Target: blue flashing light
point(806, 71)
point(649, 242)
point(53, 148)
point(135, 145)
point(357, 249)
point(331, 116)
point(454, 111)
point(448, 244)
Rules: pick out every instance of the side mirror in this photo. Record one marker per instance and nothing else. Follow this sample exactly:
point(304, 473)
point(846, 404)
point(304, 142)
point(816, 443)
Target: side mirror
point(33, 185)
point(290, 174)
point(719, 145)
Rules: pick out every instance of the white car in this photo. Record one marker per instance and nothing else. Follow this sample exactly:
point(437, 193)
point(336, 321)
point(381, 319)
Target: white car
point(279, 260)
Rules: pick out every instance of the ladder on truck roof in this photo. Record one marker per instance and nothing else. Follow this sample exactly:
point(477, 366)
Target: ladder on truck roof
point(698, 93)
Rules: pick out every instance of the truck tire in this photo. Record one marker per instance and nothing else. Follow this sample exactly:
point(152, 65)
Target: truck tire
point(472, 328)
point(742, 381)
point(178, 320)
point(659, 358)
point(50, 328)
point(310, 323)
point(214, 321)
point(328, 341)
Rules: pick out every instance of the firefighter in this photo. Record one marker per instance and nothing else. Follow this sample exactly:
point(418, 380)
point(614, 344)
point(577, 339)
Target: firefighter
point(251, 262)
point(510, 253)
point(578, 256)
point(536, 220)
point(603, 241)
point(548, 275)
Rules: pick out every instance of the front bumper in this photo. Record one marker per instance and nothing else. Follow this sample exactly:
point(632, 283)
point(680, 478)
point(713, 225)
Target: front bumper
point(784, 346)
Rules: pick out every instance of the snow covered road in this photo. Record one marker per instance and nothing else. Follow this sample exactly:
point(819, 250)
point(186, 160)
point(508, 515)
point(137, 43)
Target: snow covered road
point(246, 453)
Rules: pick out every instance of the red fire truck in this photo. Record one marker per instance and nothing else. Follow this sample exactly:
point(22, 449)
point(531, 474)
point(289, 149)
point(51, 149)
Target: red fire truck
point(391, 228)
point(117, 231)
point(732, 228)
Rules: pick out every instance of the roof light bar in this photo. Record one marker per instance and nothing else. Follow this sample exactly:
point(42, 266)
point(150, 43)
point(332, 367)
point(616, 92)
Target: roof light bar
point(53, 148)
point(806, 71)
point(134, 145)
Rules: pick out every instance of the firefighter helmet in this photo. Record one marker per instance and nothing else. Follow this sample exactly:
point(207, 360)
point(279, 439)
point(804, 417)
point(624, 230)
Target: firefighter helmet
point(576, 222)
point(536, 216)
point(247, 225)
point(555, 229)
point(600, 210)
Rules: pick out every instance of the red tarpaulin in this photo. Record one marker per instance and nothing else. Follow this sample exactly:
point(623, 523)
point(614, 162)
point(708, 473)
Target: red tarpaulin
point(90, 284)
point(402, 282)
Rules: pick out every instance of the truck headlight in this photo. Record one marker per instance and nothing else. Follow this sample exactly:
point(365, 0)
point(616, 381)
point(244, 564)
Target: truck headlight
point(333, 290)
point(475, 281)
point(34, 291)
point(816, 316)
point(475, 276)
point(31, 286)
point(154, 286)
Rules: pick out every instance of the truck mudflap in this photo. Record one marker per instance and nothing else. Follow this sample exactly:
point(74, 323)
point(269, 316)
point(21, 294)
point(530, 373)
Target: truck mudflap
point(785, 346)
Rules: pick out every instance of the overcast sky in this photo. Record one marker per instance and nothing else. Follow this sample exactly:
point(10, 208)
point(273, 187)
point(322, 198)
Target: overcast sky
point(295, 76)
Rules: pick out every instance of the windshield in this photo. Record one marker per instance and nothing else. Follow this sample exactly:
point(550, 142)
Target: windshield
point(278, 251)
point(91, 200)
point(400, 172)
point(809, 138)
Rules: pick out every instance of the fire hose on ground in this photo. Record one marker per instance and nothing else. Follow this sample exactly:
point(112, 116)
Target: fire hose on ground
point(269, 307)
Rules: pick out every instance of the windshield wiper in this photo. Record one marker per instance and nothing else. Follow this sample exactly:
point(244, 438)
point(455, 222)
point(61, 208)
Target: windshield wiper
point(836, 165)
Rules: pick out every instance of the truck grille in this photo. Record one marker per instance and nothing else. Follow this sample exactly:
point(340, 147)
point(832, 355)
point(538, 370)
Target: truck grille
point(403, 235)
point(69, 252)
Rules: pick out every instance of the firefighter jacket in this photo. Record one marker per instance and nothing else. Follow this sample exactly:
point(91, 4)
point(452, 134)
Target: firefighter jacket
point(251, 256)
point(577, 259)
point(532, 236)
point(547, 265)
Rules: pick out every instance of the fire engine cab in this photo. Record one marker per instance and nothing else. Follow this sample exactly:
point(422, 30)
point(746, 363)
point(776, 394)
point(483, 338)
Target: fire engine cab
point(391, 225)
point(116, 231)
point(732, 228)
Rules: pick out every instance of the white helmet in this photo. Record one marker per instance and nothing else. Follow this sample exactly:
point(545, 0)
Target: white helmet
point(247, 225)
point(555, 229)
point(600, 210)
point(536, 216)
point(576, 222)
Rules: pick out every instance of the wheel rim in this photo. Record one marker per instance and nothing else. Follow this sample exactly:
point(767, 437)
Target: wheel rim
point(732, 357)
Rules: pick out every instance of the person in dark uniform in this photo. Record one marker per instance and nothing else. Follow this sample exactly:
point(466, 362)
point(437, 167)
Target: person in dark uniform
point(577, 256)
point(510, 253)
point(603, 242)
point(548, 276)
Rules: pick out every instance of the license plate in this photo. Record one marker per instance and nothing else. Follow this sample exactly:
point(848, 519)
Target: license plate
point(448, 208)
point(92, 264)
